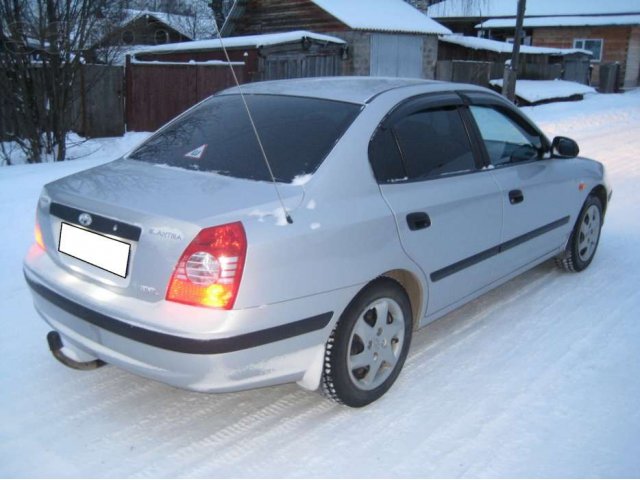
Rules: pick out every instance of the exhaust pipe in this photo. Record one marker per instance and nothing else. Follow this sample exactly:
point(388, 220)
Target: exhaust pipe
point(55, 345)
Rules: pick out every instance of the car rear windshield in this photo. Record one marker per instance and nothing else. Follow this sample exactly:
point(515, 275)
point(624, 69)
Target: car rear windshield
point(297, 134)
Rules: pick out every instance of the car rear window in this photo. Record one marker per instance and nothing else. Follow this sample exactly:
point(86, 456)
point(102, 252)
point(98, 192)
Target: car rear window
point(297, 134)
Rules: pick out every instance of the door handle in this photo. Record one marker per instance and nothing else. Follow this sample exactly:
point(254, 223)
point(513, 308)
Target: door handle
point(516, 196)
point(418, 221)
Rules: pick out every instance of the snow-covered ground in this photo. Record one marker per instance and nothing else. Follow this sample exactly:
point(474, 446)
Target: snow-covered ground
point(79, 148)
point(540, 377)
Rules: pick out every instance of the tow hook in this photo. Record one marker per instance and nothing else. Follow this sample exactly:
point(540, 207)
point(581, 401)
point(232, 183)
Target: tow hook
point(55, 345)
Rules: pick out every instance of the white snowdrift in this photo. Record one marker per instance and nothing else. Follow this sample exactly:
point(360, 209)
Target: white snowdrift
point(538, 90)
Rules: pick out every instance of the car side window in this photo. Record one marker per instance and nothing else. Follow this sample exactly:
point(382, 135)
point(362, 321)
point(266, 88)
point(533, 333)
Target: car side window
point(385, 157)
point(505, 140)
point(434, 143)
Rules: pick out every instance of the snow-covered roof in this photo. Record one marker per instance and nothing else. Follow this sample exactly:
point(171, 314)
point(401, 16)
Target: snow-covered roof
point(180, 23)
point(538, 90)
point(118, 56)
point(587, 21)
point(250, 41)
point(505, 47)
point(507, 8)
point(381, 15)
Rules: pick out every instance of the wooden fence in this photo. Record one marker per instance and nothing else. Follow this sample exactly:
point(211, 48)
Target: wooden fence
point(480, 72)
point(96, 108)
point(99, 107)
point(157, 92)
point(276, 67)
point(146, 94)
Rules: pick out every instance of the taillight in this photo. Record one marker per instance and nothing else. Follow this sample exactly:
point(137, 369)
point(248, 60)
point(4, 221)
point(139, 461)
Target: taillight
point(209, 271)
point(37, 233)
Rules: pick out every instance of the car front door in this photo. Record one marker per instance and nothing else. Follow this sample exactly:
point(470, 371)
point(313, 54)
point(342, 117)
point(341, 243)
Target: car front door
point(448, 209)
point(536, 190)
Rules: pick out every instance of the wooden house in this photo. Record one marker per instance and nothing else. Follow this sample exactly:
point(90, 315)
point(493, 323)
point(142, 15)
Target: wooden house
point(384, 37)
point(489, 58)
point(609, 29)
point(269, 56)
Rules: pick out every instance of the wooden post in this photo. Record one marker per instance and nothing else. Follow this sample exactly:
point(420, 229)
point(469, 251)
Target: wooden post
point(83, 100)
point(511, 70)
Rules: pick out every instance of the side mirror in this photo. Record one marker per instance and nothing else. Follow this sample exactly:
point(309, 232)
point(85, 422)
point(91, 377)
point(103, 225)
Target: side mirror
point(564, 147)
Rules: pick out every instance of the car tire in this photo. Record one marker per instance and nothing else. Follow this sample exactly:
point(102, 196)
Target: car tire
point(584, 239)
point(364, 354)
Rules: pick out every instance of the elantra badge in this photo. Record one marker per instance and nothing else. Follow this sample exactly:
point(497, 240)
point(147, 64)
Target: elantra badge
point(85, 219)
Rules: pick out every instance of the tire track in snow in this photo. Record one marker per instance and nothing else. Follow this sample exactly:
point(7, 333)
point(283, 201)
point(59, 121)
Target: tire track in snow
point(241, 453)
point(260, 419)
point(192, 424)
point(76, 392)
point(574, 356)
point(473, 417)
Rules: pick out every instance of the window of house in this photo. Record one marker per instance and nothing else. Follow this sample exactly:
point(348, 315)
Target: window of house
point(594, 45)
point(128, 37)
point(434, 143)
point(506, 141)
point(161, 37)
point(526, 39)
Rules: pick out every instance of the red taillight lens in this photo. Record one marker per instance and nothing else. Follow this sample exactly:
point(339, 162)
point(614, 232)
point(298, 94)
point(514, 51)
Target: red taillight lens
point(209, 272)
point(37, 233)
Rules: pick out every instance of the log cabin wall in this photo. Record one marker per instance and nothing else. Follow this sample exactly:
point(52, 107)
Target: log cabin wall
point(271, 16)
point(615, 43)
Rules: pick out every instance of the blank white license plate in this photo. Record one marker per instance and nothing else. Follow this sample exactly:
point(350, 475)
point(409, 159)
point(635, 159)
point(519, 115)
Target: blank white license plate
point(98, 250)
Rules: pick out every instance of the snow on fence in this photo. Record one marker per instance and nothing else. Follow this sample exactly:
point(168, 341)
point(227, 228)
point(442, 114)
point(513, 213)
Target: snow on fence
point(539, 91)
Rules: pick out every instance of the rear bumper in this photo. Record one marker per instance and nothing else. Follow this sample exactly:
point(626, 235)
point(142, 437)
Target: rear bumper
point(175, 343)
point(288, 350)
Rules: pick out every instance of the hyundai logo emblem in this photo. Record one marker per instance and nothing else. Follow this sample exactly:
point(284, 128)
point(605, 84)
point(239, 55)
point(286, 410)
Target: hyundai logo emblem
point(85, 219)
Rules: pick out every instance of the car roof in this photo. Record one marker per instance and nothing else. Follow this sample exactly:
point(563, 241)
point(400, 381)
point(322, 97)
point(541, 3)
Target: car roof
point(346, 89)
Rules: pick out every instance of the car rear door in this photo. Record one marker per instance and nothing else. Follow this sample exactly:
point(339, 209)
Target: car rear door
point(536, 190)
point(448, 209)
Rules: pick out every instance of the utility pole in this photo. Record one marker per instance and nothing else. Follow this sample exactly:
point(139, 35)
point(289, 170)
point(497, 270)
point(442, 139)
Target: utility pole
point(511, 70)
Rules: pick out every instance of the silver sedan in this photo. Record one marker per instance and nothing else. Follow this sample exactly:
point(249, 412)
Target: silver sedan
point(216, 259)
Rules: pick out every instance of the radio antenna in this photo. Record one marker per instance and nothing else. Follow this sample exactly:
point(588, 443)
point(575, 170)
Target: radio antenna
point(255, 130)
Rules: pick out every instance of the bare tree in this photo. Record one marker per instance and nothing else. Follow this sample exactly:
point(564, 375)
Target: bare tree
point(44, 46)
point(218, 11)
point(467, 8)
point(197, 18)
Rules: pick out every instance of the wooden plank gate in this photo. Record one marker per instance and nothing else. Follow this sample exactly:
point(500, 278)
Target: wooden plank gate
point(99, 107)
point(158, 92)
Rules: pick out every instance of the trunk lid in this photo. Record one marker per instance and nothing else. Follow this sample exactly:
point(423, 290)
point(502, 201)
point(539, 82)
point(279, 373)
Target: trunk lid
point(168, 205)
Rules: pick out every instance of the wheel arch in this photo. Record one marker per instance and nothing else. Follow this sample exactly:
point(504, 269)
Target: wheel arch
point(412, 286)
point(601, 194)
